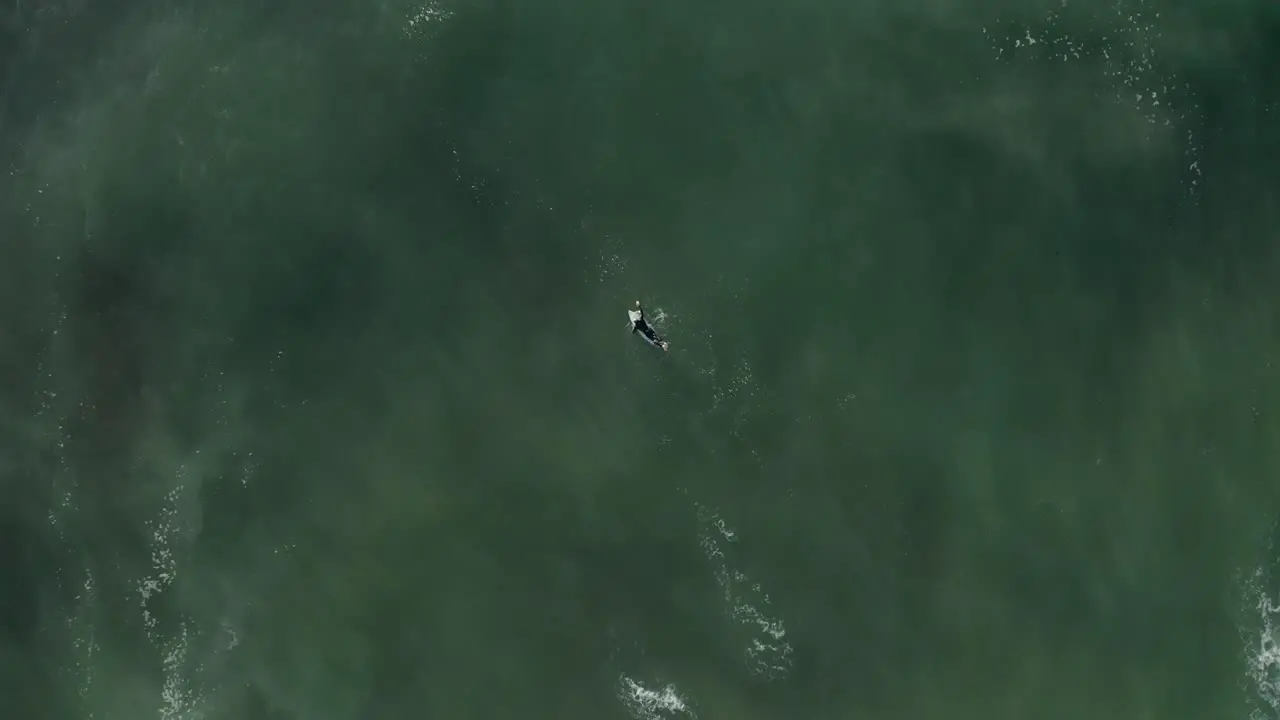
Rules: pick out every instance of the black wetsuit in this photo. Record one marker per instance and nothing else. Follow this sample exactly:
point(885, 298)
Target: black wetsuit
point(645, 329)
point(649, 332)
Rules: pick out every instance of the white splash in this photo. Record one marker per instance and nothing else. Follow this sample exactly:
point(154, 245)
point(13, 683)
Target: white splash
point(425, 18)
point(163, 565)
point(1261, 647)
point(660, 318)
point(179, 698)
point(645, 704)
point(768, 653)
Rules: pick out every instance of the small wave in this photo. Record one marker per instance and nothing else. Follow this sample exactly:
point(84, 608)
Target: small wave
point(768, 654)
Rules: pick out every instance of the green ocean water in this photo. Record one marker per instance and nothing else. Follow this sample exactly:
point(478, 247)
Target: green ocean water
point(319, 400)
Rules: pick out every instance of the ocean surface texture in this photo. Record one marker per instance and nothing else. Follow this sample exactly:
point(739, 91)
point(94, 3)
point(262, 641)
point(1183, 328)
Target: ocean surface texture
point(318, 399)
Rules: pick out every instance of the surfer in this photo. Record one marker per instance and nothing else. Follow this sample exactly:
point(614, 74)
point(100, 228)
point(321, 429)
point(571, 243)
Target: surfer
point(638, 324)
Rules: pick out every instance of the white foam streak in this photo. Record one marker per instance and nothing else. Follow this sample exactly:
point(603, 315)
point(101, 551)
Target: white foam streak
point(179, 698)
point(1262, 651)
point(768, 653)
point(425, 18)
point(645, 704)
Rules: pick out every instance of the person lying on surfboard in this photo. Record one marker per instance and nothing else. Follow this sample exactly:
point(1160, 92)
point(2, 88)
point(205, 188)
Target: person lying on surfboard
point(638, 324)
